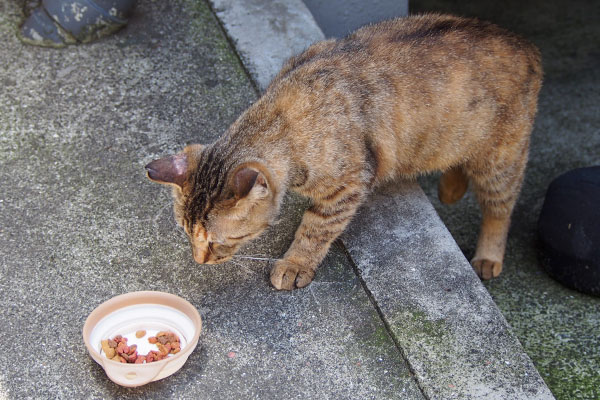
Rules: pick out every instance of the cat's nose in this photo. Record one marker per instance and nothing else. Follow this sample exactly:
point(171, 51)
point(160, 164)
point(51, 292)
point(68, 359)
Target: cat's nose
point(207, 258)
point(201, 257)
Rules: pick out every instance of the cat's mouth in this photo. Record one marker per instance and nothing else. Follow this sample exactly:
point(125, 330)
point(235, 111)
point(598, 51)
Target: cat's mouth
point(219, 260)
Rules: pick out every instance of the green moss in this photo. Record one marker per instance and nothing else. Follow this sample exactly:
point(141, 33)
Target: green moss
point(415, 327)
point(380, 337)
point(425, 328)
point(10, 19)
point(205, 27)
point(569, 368)
point(566, 385)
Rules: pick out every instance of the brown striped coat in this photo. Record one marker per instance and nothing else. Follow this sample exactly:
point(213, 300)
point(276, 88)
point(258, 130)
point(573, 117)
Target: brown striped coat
point(392, 100)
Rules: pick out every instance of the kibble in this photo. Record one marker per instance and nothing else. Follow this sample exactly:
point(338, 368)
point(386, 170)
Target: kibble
point(117, 349)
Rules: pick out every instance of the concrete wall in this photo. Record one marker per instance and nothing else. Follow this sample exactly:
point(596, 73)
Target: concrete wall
point(337, 18)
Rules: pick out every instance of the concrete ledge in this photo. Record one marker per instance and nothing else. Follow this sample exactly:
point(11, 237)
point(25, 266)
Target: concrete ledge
point(267, 32)
point(440, 316)
point(451, 333)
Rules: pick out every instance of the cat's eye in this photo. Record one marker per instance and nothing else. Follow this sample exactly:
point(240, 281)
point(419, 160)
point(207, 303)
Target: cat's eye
point(240, 237)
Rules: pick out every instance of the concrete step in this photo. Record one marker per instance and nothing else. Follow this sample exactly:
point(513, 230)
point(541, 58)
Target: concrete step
point(442, 319)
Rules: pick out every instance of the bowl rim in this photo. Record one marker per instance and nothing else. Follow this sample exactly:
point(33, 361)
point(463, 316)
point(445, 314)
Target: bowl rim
point(142, 297)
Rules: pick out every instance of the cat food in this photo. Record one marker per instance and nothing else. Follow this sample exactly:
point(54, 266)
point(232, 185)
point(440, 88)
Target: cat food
point(118, 350)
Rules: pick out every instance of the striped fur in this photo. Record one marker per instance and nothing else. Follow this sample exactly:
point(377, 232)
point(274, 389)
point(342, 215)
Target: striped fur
point(396, 99)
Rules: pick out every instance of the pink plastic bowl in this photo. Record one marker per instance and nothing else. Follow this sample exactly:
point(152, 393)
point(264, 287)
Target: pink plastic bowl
point(142, 311)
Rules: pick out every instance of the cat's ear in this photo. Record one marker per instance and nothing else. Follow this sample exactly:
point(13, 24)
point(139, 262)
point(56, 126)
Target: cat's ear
point(249, 182)
point(172, 170)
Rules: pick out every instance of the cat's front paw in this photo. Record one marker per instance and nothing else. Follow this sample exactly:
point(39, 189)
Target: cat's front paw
point(287, 275)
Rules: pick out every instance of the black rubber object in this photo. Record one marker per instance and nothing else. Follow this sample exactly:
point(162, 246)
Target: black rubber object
point(569, 230)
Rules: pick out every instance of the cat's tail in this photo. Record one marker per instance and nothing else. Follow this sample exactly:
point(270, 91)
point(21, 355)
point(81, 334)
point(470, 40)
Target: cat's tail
point(452, 185)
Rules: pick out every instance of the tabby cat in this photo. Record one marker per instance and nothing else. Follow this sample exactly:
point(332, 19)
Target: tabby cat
point(392, 100)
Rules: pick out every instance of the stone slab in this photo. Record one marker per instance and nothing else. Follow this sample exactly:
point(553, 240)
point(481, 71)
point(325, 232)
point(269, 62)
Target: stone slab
point(267, 32)
point(443, 320)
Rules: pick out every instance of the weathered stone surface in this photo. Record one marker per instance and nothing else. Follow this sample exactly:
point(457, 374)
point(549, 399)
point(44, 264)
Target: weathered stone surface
point(452, 335)
point(267, 32)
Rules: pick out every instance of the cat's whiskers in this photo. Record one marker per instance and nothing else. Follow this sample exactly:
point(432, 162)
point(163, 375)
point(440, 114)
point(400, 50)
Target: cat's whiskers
point(255, 258)
point(247, 269)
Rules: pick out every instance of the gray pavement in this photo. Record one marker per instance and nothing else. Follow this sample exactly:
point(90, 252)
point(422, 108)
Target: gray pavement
point(80, 223)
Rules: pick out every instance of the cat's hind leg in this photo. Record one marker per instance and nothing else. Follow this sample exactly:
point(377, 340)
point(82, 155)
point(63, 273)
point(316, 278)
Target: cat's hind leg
point(496, 183)
point(452, 185)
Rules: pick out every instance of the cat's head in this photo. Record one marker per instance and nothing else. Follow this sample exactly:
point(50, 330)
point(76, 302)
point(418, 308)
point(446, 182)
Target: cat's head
point(220, 207)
